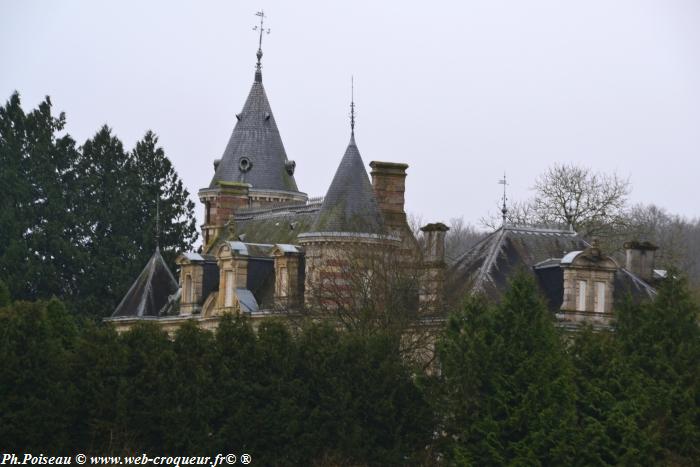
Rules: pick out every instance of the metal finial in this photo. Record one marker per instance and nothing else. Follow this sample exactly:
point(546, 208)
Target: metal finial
point(158, 220)
point(261, 29)
point(504, 209)
point(352, 104)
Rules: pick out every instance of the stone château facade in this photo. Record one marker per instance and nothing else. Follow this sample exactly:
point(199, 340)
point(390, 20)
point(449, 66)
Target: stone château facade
point(270, 250)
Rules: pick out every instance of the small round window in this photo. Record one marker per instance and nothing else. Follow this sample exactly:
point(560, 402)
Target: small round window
point(244, 164)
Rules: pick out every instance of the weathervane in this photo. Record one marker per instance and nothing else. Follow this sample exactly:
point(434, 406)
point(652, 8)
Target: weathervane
point(504, 209)
point(262, 29)
point(352, 104)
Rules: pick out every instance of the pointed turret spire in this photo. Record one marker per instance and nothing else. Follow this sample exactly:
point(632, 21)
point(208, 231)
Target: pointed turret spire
point(255, 153)
point(350, 204)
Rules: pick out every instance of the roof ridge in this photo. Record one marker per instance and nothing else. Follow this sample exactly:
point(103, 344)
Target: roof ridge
point(490, 259)
point(145, 288)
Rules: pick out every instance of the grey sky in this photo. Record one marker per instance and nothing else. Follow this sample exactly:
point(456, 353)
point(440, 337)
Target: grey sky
point(461, 91)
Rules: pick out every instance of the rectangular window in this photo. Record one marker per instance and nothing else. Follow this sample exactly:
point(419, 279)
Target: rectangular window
point(188, 289)
point(283, 282)
point(600, 297)
point(228, 298)
point(581, 299)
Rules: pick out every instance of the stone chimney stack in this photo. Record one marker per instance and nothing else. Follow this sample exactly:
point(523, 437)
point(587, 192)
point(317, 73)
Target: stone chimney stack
point(389, 183)
point(640, 259)
point(434, 249)
point(433, 278)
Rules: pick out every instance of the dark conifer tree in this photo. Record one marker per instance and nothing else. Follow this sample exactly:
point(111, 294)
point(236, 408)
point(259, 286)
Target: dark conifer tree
point(660, 342)
point(237, 386)
point(37, 395)
point(190, 417)
point(38, 254)
point(99, 370)
point(509, 395)
point(80, 223)
point(607, 402)
point(149, 388)
point(109, 222)
point(161, 189)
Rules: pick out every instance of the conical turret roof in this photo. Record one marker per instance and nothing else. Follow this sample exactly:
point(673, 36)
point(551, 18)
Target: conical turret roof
point(150, 292)
point(350, 204)
point(255, 153)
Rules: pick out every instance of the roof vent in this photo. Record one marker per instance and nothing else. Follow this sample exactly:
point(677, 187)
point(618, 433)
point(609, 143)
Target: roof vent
point(216, 164)
point(239, 117)
point(267, 116)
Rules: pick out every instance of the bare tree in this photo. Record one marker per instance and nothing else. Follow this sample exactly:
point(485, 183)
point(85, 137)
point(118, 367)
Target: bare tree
point(368, 289)
point(519, 213)
point(591, 203)
point(678, 238)
point(460, 238)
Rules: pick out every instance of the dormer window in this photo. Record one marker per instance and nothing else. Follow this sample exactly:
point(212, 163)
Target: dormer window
point(588, 281)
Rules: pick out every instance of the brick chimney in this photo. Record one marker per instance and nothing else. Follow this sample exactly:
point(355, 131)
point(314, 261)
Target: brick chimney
point(640, 259)
point(389, 184)
point(220, 203)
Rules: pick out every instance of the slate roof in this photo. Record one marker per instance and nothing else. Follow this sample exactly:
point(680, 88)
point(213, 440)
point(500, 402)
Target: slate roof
point(350, 204)
point(256, 138)
point(488, 265)
point(276, 225)
point(149, 294)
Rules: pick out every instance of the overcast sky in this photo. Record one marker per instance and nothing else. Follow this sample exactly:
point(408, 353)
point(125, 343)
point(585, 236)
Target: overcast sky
point(461, 91)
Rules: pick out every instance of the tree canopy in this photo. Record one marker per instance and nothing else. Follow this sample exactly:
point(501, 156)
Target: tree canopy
point(79, 222)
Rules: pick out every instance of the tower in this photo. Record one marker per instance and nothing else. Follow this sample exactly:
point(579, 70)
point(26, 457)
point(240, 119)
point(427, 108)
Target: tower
point(254, 169)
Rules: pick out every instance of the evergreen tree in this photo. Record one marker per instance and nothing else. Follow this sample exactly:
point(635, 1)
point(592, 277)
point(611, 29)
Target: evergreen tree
point(36, 394)
point(236, 370)
point(509, 395)
point(607, 393)
point(161, 189)
point(38, 256)
point(79, 223)
point(98, 368)
point(5, 298)
point(361, 404)
point(660, 341)
point(190, 416)
point(149, 387)
point(109, 222)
